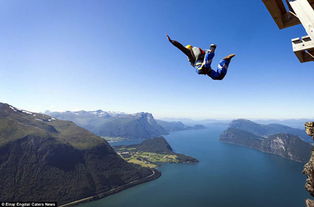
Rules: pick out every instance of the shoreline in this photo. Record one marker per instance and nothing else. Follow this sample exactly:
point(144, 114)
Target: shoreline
point(155, 174)
point(259, 150)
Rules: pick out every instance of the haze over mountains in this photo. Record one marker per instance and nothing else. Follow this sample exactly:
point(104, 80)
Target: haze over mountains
point(294, 123)
point(133, 126)
point(172, 126)
point(276, 139)
point(46, 159)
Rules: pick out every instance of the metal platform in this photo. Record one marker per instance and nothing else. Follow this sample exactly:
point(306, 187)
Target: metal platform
point(293, 12)
point(303, 48)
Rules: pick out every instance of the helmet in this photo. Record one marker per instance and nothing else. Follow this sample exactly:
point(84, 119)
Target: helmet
point(213, 45)
point(189, 46)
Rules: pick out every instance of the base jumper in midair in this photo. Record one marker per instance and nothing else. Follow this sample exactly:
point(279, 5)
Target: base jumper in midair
point(201, 60)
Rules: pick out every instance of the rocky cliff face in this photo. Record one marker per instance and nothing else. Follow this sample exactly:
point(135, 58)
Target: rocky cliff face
point(287, 146)
point(309, 184)
point(284, 145)
point(45, 159)
point(309, 166)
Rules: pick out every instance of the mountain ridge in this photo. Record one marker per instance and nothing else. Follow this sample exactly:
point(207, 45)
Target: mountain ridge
point(283, 144)
point(133, 126)
point(265, 130)
point(141, 125)
point(43, 158)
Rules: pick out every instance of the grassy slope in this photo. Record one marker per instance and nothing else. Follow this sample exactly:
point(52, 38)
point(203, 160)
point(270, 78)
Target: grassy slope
point(150, 159)
point(16, 124)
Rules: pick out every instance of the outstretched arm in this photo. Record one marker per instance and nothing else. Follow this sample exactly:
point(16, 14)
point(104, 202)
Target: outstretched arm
point(168, 38)
point(178, 45)
point(183, 49)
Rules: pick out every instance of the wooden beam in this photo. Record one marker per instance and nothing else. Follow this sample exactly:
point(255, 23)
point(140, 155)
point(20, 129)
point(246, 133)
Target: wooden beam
point(290, 20)
point(304, 57)
point(279, 13)
point(274, 11)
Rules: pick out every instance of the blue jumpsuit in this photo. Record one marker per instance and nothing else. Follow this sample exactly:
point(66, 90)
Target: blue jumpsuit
point(218, 74)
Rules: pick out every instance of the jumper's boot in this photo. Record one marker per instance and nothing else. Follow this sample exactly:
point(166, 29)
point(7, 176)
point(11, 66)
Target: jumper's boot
point(229, 57)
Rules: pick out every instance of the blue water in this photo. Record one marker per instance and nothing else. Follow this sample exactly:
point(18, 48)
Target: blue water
point(227, 175)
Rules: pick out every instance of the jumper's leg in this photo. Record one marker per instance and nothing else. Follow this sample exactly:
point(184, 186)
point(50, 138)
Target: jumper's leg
point(203, 67)
point(208, 59)
point(221, 71)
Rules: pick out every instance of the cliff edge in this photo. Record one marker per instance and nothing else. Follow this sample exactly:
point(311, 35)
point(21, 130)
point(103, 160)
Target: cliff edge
point(309, 166)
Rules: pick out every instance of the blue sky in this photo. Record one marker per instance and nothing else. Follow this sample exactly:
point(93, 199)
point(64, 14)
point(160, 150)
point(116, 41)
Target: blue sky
point(113, 55)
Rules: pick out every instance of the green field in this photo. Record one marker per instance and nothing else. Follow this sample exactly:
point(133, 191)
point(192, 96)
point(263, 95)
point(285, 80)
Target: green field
point(146, 159)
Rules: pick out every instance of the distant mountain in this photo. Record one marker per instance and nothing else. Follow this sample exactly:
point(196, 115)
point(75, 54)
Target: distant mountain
point(172, 126)
point(46, 159)
point(134, 126)
point(269, 129)
point(285, 145)
point(204, 122)
point(294, 123)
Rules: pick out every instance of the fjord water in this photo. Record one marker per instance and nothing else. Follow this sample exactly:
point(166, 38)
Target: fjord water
point(227, 175)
